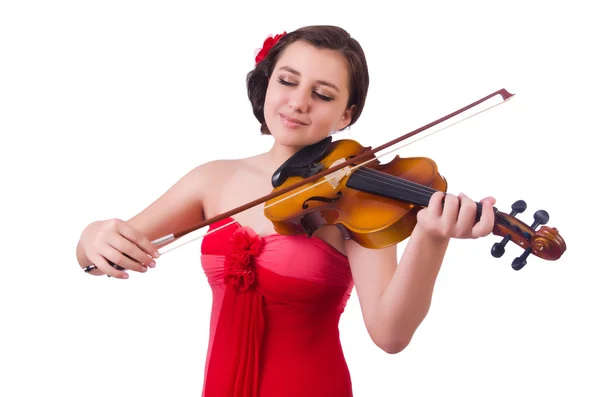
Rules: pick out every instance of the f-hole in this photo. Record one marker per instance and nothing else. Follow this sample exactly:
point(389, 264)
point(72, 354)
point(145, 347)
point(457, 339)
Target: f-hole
point(322, 199)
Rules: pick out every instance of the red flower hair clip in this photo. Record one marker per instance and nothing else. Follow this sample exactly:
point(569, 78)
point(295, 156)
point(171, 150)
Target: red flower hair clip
point(267, 45)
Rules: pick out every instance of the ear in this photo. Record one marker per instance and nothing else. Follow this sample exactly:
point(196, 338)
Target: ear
point(346, 118)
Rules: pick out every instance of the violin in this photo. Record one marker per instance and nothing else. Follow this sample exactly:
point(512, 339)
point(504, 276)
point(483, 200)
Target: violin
point(343, 183)
point(376, 204)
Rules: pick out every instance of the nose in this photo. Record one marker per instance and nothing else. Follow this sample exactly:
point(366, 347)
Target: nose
point(299, 100)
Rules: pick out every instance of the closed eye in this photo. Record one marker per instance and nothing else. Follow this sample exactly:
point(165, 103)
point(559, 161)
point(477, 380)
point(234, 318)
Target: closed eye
point(320, 96)
point(283, 82)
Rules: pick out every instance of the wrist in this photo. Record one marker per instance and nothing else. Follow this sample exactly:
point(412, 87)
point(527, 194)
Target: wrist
point(80, 253)
point(428, 236)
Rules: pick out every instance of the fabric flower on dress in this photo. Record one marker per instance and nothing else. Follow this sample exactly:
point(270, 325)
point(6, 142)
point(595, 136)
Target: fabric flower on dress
point(239, 262)
point(267, 45)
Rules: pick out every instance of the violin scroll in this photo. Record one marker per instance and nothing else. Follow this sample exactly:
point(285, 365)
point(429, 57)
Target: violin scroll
point(545, 242)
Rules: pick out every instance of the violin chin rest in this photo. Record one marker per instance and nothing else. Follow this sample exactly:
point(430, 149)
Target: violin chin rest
point(302, 163)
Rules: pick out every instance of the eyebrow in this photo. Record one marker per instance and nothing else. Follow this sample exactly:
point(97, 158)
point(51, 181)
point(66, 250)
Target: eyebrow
point(322, 82)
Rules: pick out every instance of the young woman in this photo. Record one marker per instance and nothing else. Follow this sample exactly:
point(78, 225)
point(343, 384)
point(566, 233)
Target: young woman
point(277, 299)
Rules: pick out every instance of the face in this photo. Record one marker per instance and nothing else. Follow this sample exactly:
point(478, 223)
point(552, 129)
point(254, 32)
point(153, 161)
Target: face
point(307, 95)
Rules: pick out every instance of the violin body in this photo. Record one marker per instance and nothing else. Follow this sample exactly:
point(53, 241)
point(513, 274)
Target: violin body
point(376, 204)
point(365, 206)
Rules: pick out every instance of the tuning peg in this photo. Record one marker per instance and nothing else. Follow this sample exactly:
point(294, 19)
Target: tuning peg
point(540, 217)
point(498, 248)
point(520, 261)
point(518, 207)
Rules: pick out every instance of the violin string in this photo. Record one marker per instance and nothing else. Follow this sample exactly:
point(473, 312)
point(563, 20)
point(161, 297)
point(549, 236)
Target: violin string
point(396, 181)
point(419, 194)
point(360, 165)
point(405, 185)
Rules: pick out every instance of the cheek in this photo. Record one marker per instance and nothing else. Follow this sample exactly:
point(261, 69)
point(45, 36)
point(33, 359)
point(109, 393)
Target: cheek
point(327, 118)
point(272, 99)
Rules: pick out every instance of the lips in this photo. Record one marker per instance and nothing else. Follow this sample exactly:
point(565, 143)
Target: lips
point(290, 121)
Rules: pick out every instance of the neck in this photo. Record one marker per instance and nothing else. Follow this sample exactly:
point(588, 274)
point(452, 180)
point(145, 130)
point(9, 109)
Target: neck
point(278, 154)
point(382, 184)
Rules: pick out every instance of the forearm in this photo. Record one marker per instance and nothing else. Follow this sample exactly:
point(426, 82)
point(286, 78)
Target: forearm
point(407, 298)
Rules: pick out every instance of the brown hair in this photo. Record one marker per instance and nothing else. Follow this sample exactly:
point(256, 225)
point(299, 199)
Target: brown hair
point(321, 36)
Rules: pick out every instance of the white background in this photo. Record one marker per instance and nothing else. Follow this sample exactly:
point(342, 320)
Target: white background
point(104, 105)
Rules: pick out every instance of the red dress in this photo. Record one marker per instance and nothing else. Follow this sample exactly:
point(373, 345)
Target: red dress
point(277, 302)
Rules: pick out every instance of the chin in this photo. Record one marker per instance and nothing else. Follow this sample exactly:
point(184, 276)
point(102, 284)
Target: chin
point(287, 140)
point(293, 137)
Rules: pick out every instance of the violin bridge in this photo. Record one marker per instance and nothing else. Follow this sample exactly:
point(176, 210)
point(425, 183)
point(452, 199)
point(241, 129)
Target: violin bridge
point(336, 177)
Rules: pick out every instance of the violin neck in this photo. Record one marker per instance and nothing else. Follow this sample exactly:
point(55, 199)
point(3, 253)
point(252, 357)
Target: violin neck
point(376, 182)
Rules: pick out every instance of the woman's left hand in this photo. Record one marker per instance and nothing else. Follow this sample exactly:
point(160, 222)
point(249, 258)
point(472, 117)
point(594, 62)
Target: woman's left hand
point(449, 216)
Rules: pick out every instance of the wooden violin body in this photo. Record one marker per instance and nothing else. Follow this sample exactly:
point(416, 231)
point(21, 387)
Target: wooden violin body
point(376, 204)
point(367, 204)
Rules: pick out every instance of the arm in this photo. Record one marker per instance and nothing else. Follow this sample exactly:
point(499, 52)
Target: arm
point(396, 296)
point(178, 208)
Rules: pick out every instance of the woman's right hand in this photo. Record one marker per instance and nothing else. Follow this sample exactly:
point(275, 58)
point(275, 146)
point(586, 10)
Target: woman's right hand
point(118, 242)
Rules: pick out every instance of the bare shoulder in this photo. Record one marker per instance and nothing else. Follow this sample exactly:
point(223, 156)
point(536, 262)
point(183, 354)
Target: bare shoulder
point(182, 205)
point(233, 183)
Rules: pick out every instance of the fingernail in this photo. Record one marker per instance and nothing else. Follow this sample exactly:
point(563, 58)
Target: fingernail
point(144, 268)
point(156, 254)
point(152, 264)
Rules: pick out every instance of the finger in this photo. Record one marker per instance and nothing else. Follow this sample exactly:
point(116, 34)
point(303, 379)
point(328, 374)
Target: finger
point(120, 259)
point(451, 208)
point(466, 215)
point(129, 249)
point(139, 239)
point(486, 221)
point(435, 204)
point(490, 200)
point(102, 264)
